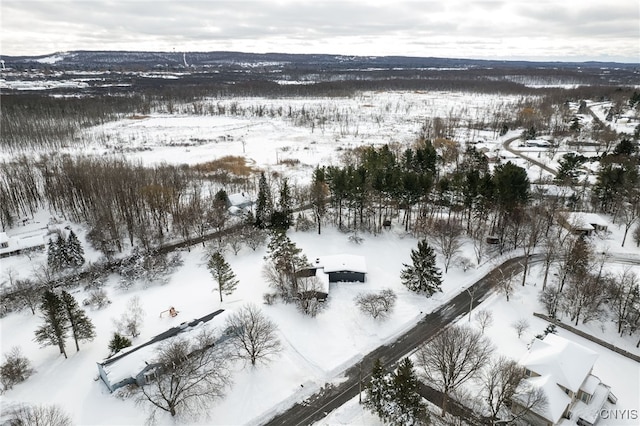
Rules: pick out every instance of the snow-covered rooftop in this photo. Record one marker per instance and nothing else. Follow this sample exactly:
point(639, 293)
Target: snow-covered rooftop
point(323, 280)
point(131, 361)
point(591, 411)
point(22, 242)
point(342, 262)
point(557, 400)
point(240, 199)
point(568, 363)
point(586, 220)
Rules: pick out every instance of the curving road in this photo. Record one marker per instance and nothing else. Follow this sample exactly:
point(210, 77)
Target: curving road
point(507, 146)
point(331, 397)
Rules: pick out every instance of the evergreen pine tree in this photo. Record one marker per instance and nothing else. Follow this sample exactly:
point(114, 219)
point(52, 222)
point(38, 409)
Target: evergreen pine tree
point(264, 203)
point(56, 323)
point(75, 252)
point(62, 253)
point(81, 326)
point(377, 390)
point(423, 275)
point(118, 342)
point(319, 196)
point(409, 407)
point(287, 259)
point(283, 217)
point(395, 397)
point(222, 274)
point(52, 256)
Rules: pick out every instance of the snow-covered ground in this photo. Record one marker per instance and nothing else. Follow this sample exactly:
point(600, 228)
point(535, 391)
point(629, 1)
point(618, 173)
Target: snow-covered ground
point(316, 350)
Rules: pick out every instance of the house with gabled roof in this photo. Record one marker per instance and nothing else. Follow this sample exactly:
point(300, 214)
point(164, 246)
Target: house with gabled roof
point(582, 223)
point(136, 365)
point(562, 369)
point(239, 203)
point(330, 269)
point(21, 243)
point(343, 267)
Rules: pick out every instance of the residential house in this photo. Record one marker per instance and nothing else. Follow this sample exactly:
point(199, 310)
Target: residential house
point(562, 369)
point(330, 269)
point(313, 283)
point(239, 203)
point(20, 243)
point(343, 267)
point(136, 364)
point(581, 223)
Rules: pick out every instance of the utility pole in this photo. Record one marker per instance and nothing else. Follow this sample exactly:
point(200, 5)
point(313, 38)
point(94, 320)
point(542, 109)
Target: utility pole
point(360, 382)
point(471, 293)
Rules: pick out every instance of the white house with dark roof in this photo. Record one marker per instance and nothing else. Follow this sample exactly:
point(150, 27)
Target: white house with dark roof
point(343, 267)
point(137, 364)
point(562, 369)
point(331, 269)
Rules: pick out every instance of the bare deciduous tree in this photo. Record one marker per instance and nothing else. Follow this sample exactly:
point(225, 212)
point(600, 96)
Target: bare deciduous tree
point(97, 299)
point(253, 237)
point(485, 319)
point(452, 358)
point(378, 305)
point(49, 415)
point(28, 292)
point(190, 374)
point(550, 298)
point(623, 293)
point(446, 236)
point(235, 243)
point(311, 295)
point(502, 382)
point(532, 233)
point(520, 326)
point(253, 334)
point(504, 281)
point(131, 321)
point(527, 399)
point(16, 368)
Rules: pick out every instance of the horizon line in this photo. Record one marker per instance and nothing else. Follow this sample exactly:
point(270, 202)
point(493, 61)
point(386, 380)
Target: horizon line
point(625, 61)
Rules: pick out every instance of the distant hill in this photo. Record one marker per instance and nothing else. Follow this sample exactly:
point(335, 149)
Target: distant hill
point(141, 61)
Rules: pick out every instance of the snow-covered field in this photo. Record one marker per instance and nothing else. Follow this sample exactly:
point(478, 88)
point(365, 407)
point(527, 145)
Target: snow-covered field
point(316, 350)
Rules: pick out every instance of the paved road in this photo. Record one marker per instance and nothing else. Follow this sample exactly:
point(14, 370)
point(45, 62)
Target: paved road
point(331, 397)
point(319, 405)
point(507, 146)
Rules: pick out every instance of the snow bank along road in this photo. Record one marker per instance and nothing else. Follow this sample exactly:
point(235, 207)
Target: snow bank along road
point(331, 397)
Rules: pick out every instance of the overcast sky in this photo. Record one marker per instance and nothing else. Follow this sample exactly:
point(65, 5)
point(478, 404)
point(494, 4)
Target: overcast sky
point(572, 30)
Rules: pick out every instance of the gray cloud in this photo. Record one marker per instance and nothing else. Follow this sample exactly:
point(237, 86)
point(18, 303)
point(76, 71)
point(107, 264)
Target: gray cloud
point(405, 27)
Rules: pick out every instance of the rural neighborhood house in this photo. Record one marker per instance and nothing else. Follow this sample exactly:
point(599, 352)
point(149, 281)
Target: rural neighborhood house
point(136, 365)
point(562, 369)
